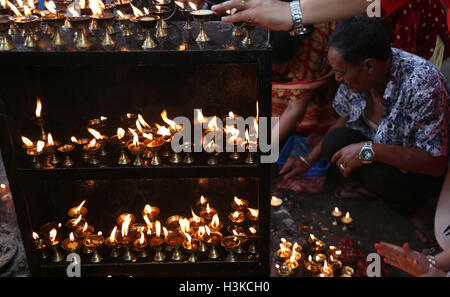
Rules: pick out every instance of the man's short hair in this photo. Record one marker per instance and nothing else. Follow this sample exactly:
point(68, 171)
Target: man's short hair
point(359, 38)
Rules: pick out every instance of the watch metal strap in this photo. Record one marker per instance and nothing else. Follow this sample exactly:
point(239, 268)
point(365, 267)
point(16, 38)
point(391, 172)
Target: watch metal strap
point(297, 18)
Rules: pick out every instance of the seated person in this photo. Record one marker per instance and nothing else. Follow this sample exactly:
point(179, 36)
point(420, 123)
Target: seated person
point(392, 130)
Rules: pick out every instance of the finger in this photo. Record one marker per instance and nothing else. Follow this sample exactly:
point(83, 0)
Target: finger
point(287, 166)
point(336, 156)
point(223, 7)
point(292, 173)
point(241, 16)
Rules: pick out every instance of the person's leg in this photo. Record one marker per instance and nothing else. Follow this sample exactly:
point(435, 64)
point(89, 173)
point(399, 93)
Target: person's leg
point(338, 138)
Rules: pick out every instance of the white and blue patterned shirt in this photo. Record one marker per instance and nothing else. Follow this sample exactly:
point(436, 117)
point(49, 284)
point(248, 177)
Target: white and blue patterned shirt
point(415, 106)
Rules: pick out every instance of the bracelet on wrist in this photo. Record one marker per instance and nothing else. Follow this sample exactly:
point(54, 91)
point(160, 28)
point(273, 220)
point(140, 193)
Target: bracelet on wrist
point(431, 262)
point(303, 159)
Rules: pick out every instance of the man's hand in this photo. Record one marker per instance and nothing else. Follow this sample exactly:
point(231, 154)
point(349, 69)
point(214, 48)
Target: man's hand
point(347, 158)
point(293, 167)
point(271, 14)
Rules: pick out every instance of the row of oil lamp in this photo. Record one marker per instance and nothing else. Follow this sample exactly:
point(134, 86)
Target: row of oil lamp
point(87, 20)
point(321, 261)
point(197, 235)
point(141, 140)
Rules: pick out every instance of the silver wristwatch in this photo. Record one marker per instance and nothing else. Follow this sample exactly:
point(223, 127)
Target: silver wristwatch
point(297, 19)
point(367, 154)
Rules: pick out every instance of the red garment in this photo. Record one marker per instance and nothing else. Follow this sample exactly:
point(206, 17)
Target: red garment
point(415, 25)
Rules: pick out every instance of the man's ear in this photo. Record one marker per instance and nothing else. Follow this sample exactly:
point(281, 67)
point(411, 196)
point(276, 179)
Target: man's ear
point(369, 65)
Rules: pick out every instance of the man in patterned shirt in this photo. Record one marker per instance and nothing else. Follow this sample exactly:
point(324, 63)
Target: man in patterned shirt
point(392, 131)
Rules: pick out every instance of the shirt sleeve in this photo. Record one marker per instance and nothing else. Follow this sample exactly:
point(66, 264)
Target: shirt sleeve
point(429, 110)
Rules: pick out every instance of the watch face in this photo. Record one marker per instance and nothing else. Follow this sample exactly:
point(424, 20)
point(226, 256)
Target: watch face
point(367, 155)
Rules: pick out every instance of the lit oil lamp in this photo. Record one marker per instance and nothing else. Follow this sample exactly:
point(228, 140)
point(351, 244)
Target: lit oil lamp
point(27, 143)
point(242, 237)
point(202, 202)
point(36, 154)
point(82, 232)
point(93, 241)
point(239, 204)
point(327, 269)
point(151, 212)
point(236, 217)
point(105, 21)
point(166, 135)
point(40, 119)
point(212, 239)
point(51, 149)
point(125, 217)
point(253, 214)
point(66, 150)
point(5, 38)
point(333, 251)
point(185, 11)
point(233, 141)
point(284, 252)
point(202, 16)
point(75, 222)
point(215, 224)
point(140, 245)
point(237, 25)
point(311, 265)
point(112, 243)
point(320, 258)
point(54, 240)
point(173, 128)
point(275, 201)
point(283, 270)
point(146, 23)
point(230, 244)
point(190, 246)
point(188, 148)
point(336, 213)
point(336, 264)
point(250, 159)
point(185, 227)
point(125, 240)
point(71, 245)
point(208, 213)
point(173, 222)
point(319, 245)
point(54, 20)
point(125, 22)
point(157, 242)
point(121, 139)
point(196, 221)
point(92, 149)
point(155, 145)
point(175, 239)
point(40, 245)
point(200, 237)
point(163, 12)
point(80, 24)
point(101, 139)
point(292, 262)
point(253, 235)
point(347, 221)
point(28, 24)
point(79, 143)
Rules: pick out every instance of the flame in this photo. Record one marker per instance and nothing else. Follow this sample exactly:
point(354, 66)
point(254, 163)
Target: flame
point(235, 233)
point(238, 201)
point(254, 212)
point(82, 4)
point(38, 101)
point(20, 3)
point(3, 3)
point(195, 217)
point(74, 139)
point(35, 236)
point(233, 131)
point(331, 258)
point(203, 200)
point(162, 130)
point(252, 230)
point(182, 47)
point(215, 223)
point(200, 118)
point(312, 237)
point(143, 122)
point(142, 239)
point(50, 5)
point(71, 236)
point(95, 133)
point(96, 7)
point(292, 258)
point(171, 123)
point(139, 127)
point(148, 135)
point(208, 210)
point(26, 10)
point(158, 7)
point(77, 220)
point(325, 266)
point(50, 139)
point(135, 137)
point(212, 125)
point(102, 118)
point(136, 11)
point(165, 232)
point(158, 229)
point(207, 230)
point(17, 13)
point(185, 225)
point(160, 2)
point(53, 233)
point(338, 252)
point(146, 11)
point(282, 247)
point(310, 258)
point(180, 4)
point(72, 12)
point(317, 258)
point(113, 234)
point(92, 143)
point(149, 224)
point(99, 233)
point(31, 4)
point(40, 146)
point(201, 231)
point(120, 14)
point(27, 142)
point(120, 131)
point(85, 227)
point(192, 5)
point(347, 215)
point(126, 222)
point(147, 209)
point(257, 111)
point(235, 215)
point(189, 238)
point(77, 210)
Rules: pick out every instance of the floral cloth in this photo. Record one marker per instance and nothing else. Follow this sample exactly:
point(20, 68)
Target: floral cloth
point(415, 106)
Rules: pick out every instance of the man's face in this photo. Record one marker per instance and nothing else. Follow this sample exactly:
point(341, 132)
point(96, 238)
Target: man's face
point(357, 79)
